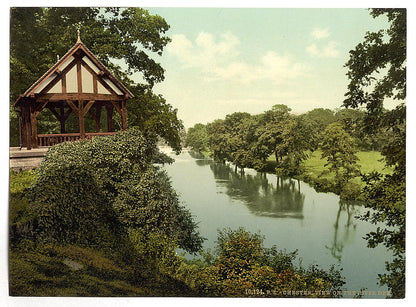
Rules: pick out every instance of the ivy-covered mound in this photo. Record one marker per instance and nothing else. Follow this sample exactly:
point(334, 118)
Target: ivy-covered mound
point(90, 192)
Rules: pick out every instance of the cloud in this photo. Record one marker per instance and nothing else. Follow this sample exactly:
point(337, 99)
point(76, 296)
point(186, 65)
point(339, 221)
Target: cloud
point(218, 59)
point(205, 51)
point(319, 33)
point(277, 67)
point(322, 50)
point(227, 44)
point(328, 50)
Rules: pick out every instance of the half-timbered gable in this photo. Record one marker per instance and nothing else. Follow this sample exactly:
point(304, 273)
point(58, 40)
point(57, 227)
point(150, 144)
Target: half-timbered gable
point(78, 83)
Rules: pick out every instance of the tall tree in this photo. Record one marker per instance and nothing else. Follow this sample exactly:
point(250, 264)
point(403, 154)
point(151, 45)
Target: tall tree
point(299, 139)
point(377, 70)
point(338, 147)
point(218, 140)
point(197, 137)
point(321, 117)
point(271, 133)
point(237, 131)
point(125, 39)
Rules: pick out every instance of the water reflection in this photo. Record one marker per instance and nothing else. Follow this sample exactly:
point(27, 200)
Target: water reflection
point(200, 159)
point(197, 155)
point(283, 199)
point(338, 242)
point(323, 229)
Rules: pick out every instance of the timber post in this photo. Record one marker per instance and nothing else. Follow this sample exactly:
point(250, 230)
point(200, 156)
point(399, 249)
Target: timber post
point(26, 127)
point(123, 115)
point(34, 128)
point(109, 112)
point(96, 116)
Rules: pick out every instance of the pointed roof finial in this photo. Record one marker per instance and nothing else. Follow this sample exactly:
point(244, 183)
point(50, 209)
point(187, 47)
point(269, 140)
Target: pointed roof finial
point(79, 38)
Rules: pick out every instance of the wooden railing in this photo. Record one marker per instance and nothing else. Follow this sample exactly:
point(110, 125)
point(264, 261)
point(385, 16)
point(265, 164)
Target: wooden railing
point(52, 139)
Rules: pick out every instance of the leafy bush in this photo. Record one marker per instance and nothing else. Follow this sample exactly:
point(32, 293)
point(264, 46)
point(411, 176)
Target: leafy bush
point(70, 207)
point(324, 185)
point(92, 192)
point(112, 159)
point(278, 260)
point(154, 253)
point(243, 267)
point(152, 206)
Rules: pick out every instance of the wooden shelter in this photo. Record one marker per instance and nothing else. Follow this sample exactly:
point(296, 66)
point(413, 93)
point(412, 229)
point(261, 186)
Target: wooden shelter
point(77, 83)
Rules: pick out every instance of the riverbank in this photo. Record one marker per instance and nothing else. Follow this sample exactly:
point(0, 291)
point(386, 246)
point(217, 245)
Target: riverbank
point(314, 167)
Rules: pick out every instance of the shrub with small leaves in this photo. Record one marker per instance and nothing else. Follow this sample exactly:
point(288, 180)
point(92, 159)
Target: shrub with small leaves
point(93, 188)
point(244, 267)
point(70, 207)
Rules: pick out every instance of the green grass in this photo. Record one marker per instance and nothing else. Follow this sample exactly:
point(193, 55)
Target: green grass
point(372, 161)
point(368, 161)
point(52, 270)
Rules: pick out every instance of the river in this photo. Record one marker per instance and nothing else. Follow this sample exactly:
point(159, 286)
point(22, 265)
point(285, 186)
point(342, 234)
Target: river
point(289, 214)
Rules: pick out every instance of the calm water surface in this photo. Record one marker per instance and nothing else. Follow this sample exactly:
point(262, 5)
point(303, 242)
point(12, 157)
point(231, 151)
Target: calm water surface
point(290, 216)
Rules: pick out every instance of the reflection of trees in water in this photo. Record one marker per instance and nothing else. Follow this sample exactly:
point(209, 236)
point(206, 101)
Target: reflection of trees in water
point(258, 194)
point(200, 159)
point(279, 199)
point(338, 243)
point(196, 155)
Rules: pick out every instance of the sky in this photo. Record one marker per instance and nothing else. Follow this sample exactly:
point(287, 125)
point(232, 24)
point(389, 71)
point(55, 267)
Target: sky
point(224, 60)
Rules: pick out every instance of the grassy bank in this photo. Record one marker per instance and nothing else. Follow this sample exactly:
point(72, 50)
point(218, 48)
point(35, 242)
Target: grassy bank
point(368, 161)
point(314, 166)
point(67, 270)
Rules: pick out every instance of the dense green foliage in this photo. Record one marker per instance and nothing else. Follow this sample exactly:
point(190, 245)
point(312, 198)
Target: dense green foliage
point(377, 70)
point(197, 137)
point(243, 267)
point(340, 151)
point(108, 182)
point(250, 140)
point(70, 208)
point(128, 36)
point(106, 195)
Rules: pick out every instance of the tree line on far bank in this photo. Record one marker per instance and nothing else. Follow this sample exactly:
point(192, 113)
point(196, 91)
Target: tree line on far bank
point(249, 141)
